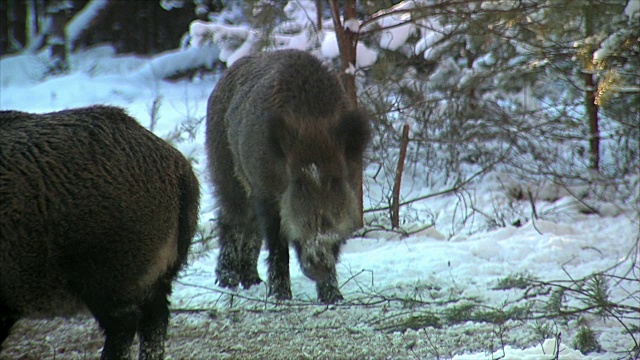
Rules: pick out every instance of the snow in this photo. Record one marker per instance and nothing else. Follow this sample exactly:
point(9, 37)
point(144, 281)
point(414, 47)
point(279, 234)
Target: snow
point(352, 25)
point(606, 48)
point(168, 5)
point(200, 30)
point(174, 62)
point(301, 41)
point(301, 12)
point(509, 353)
point(394, 38)
point(23, 69)
point(82, 20)
point(365, 56)
point(329, 48)
point(398, 26)
point(439, 262)
point(242, 51)
point(299, 32)
point(398, 29)
point(501, 5)
point(632, 9)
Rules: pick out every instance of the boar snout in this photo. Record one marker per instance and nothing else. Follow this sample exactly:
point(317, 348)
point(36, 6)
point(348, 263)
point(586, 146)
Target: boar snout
point(318, 256)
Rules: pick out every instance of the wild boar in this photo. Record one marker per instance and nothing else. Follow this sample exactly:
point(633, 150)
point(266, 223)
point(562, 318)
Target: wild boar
point(284, 147)
point(96, 213)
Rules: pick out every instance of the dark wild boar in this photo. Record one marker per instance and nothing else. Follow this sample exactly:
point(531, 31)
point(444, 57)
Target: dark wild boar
point(284, 147)
point(96, 213)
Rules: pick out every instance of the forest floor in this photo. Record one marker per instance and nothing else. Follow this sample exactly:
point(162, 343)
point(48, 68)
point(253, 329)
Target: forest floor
point(313, 332)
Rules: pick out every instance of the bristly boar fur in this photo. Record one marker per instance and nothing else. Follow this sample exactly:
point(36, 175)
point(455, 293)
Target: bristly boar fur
point(284, 148)
point(96, 213)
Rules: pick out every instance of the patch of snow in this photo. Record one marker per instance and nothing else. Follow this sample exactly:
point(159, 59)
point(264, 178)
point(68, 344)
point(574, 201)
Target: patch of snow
point(168, 5)
point(632, 9)
point(302, 41)
point(365, 56)
point(352, 25)
point(608, 46)
point(23, 69)
point(244, 50)
point(83, 19)
point(173, 62)
point(547, 349)
point(301, 11)
point(329, 47)
point(398, 28)
point(351, 69)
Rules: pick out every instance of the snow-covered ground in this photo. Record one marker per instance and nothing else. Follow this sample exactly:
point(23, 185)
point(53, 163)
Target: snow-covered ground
point(387, 278)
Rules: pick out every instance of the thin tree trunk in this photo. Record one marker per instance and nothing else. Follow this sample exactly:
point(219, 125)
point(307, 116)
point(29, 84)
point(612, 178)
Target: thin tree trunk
point(56, 38)
point(590, 100)
point(395, 205)
point(31, 24)
point(12, 41)
point(347, 41)
point(319, 15)
point(37, 25)
point(594, 123)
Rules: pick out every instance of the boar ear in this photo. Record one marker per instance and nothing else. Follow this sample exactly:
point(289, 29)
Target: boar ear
point(353, 132)
point(279, 135)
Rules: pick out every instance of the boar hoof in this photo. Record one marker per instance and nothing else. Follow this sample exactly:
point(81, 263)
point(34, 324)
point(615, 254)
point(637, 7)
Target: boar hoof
point(250, 280)
point(280, 291)
point(227, 279)
point(329, 293)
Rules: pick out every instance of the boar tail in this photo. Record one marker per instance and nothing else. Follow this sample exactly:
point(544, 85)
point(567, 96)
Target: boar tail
point(189, 209)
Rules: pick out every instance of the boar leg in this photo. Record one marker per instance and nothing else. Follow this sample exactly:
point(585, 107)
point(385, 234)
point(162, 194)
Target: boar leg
point(269, 220)
point(229, 256)
point(239, 239)
point(328, 291)
point(249, 254)
point(119, 321)
point(239, 252)
point(116, 309)
point(154, 321)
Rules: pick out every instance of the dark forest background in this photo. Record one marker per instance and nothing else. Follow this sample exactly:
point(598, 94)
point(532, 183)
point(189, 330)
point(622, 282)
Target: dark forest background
point(140, 26)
